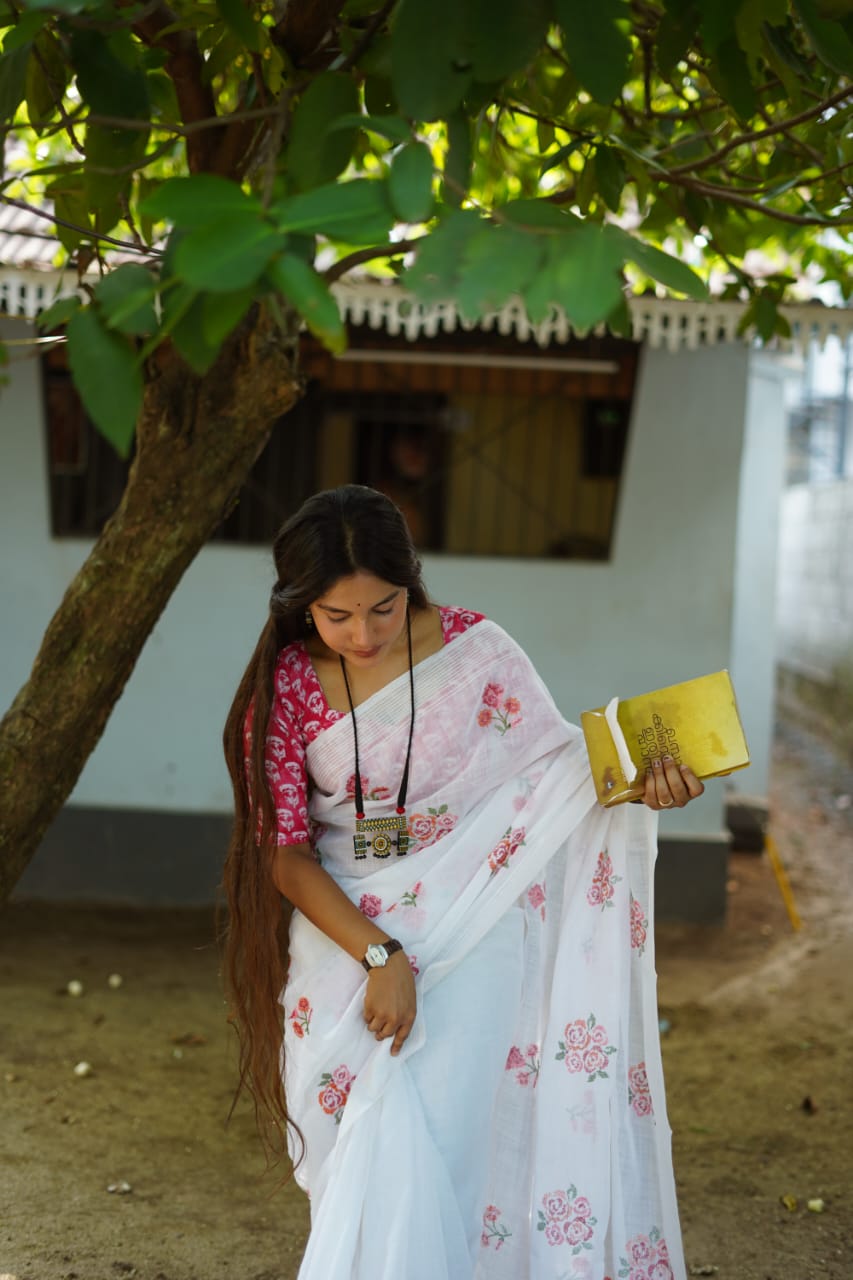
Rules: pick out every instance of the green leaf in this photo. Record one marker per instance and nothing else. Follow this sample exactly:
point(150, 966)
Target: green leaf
point(784, 52)
point(310, 295)
point(108, 377)
point(610, 176)
point(47, 77)
point(585, 275)
point(763, 314)
point(676, 33)
point(304, 247)
point(718, 23)
point(110, 77)
point(505, 35)
point(663, 267)
point(357, 211)
point(410, 183)
point(597, 45)
point(222, 56)
point(26, 28)
point(540, 214)
point(13, 81)
point(228, 254)
point(108, 153)
point(539, 293)
point(779, 188)
point(164, 99)
point(435, 271)
point(552, 161)
point(317, 153)
point(183, 321)
point(546, 134)
point(394, 128)
point(197, 200)
point(125, 297)
point(378, 95)
point(497, 262)
point(585, 187)
point(70, 203)
point(829, 40)
point(58, 313)
point(753, 17)
point(376, 58)
point(65, 6)
point(457, 164)
point(430, 57)
point(689, 147)
point(238, 18)
point(729, 74)
point(221, 313)
point(620, 322)
point(564, 92)
point(144, 187)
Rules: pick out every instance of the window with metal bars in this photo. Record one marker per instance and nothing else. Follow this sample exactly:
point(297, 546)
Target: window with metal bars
point(487, 448)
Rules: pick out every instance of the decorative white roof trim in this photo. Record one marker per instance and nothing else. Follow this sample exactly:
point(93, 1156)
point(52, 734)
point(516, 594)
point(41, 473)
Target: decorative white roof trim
point(660, 322)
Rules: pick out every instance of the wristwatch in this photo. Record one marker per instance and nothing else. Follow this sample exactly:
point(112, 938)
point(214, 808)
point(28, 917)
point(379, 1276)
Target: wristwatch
point(376, 956)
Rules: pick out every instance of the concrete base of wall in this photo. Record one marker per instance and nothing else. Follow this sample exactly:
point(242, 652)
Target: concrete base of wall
point(690, 880)
point(154, 859)
point(747, 818)
point(131, 857)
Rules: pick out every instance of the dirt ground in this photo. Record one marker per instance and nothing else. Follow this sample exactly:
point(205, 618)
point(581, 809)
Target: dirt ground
point(130, 1171)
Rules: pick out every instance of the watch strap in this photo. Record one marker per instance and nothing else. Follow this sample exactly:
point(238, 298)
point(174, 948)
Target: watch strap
point(388, 947)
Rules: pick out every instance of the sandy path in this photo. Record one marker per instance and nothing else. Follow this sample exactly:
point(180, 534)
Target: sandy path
point(760, 1021)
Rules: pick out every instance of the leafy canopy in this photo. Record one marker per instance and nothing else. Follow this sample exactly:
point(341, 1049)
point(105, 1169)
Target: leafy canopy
point(210, 154)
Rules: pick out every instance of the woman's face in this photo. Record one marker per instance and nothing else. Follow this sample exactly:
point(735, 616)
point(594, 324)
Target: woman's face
point(361, 618)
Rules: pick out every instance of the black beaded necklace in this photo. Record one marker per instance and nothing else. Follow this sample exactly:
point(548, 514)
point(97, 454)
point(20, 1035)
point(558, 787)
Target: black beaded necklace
point(378, 832)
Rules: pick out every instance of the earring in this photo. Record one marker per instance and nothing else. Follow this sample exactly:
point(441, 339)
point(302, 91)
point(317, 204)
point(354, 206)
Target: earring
point(309, 618)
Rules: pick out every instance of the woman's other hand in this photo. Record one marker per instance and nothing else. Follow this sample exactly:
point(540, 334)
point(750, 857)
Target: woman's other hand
point(390, 1004)
point(669, 785)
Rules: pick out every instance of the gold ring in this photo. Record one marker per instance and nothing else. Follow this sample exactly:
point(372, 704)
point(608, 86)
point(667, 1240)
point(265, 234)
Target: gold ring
point(668, 805)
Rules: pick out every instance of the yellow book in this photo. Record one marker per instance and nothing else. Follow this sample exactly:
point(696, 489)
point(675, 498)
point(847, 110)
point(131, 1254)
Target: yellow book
point(697, 723)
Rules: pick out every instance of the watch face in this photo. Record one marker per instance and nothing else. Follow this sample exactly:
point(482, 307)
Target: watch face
point(376, 955)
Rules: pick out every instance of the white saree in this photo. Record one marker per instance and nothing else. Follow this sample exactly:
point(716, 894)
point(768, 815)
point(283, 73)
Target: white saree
point(521, 1133)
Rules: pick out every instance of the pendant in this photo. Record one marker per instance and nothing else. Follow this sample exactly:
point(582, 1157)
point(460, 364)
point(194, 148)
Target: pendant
point(376, 834)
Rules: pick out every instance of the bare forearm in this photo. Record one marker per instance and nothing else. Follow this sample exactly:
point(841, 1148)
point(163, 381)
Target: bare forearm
point(313, 892)
point(390, 1003)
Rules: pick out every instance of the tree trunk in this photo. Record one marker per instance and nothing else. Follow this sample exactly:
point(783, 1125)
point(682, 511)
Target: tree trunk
point(196, 441)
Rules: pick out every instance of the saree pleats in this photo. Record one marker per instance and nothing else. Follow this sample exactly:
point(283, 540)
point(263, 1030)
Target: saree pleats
point(521, 1134)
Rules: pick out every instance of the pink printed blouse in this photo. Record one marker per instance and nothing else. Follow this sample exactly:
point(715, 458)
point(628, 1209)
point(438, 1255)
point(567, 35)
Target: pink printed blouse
point(299, 713)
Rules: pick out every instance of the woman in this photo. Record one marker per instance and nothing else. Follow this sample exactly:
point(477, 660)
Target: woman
point(470, 1055)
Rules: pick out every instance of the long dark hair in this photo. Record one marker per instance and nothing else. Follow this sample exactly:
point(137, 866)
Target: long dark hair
point(332, 535)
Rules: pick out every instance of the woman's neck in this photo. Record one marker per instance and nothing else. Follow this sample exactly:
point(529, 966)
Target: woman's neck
point(427, 638)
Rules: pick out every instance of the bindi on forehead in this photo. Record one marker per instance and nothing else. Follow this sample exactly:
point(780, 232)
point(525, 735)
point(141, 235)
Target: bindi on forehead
point(330, 607)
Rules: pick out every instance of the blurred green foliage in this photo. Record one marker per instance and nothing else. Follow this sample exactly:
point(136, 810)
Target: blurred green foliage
point(480, 149)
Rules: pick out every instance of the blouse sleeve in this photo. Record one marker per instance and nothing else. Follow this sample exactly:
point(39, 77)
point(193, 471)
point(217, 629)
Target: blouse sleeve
point(287, 775)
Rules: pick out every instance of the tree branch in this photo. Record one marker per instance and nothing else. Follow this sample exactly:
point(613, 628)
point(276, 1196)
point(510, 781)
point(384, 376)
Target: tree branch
point(304, 27)
point(179, 130)
point(185, 67)
point(758, 135)
point(338, 269)
point(351, 60)
point(67, 122)
point(725, 196)
point(240, 138)
point(73, 226)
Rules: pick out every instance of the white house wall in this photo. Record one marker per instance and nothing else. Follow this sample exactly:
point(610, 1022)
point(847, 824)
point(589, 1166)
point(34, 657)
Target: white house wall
point(815, 605)
point(753, 623)
point(662, 610)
